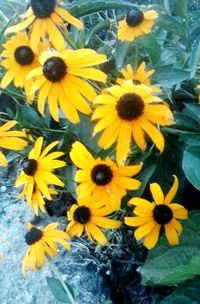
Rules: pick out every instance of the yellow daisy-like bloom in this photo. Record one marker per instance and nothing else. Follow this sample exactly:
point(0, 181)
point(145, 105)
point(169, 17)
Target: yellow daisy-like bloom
point(102, 178)
point(140, 76)
point(161, 213)
point(36, 201)
point(42, 243)
point(89, 216)
point(19, 60)
point(10, 140)
point(44, 18)
point(130, 111)
point(136, 23)
point(37, 170)
point(58, 80)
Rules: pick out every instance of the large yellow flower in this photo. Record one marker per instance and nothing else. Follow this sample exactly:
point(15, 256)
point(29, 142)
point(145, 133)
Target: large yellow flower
point(42, 243)
point(161, 213)
point(89, 216)
point(37, 170)
point(137, 23)
point(36, 201)
point(10, 140)
point(58, 80)
point(19, 60)
point(140, 76)
point(130, 111)
point(102, 178)
point(44, 18)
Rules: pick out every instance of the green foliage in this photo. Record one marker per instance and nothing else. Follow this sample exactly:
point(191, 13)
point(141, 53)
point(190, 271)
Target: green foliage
point(191, 165)
point(58, 290)
point(188, 293)
point(169, 265)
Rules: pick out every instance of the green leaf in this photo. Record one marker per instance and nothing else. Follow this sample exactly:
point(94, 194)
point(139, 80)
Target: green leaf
point(188, 293)
point(152, 48)
point(168, 76)
point(194, 58)
point(103, 24)
point(170, 24)
point(169, 265)
point(58, 290)
point(180, 8)
point(83, 8)
point(28, 117)
point(194, 108)
point(120, 53)
point(191, 165)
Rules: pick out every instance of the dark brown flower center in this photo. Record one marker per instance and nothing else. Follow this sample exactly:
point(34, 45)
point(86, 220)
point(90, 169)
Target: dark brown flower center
point(134, 17)
point(130, 106)
point(54, 69)
point(24, 55)
point(101, 175)
point(30, 167)
point(162, 214)
point(43, 8)
point(82, 215)
point(33, 236)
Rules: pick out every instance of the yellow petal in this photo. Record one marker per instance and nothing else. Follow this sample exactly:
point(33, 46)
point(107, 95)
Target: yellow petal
point(170, 195)
point(157, 193)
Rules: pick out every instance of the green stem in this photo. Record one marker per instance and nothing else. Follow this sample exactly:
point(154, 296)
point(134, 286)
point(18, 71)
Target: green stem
point(59, 276)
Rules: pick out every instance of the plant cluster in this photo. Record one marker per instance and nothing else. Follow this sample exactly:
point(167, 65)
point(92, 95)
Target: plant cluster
point(106, 110)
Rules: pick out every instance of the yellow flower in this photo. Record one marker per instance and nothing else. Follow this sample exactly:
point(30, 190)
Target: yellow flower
point(36, 201)
point(161, 213)
point(102, 178)
point(10, 140)
point(19, 60)
point(37, 169)
point(89, 216)
point(42, 243)
point(44, 18)
point(137, 23)
point(130, 111)
point(140, 76)
point(58, 80)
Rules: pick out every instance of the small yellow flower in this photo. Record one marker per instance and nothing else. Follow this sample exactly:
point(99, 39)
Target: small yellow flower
point(58, 80)
point(37, 170)
point(42, 243)
point(103, 179)
point(129, 111)
point(137, 23)
point(89, 216)
point(18, 60)
point(150, 217)
point(10, 140)
point(140, 76)
point(44, 18)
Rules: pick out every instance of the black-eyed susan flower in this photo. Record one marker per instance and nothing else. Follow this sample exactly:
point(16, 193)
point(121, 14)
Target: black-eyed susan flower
point(11, 140)
point(59, 81)
point(150, 217)
point(140, 76)
point(18, 60)
point(41, 244)
point(102, 178)
point(37, 170)
point(89, 216)
point(36, 201)
point(130, 111)
point(137, 23)
point(44, 18)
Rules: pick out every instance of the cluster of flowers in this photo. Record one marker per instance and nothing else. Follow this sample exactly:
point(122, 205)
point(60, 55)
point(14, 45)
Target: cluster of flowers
point(39, 62)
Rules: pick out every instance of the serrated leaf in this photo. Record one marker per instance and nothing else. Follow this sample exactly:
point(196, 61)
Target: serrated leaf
point(188, 293)
point(191, 165)
point(169, 265)
point(168, 76)
point(83, 8)
point(58, 290)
